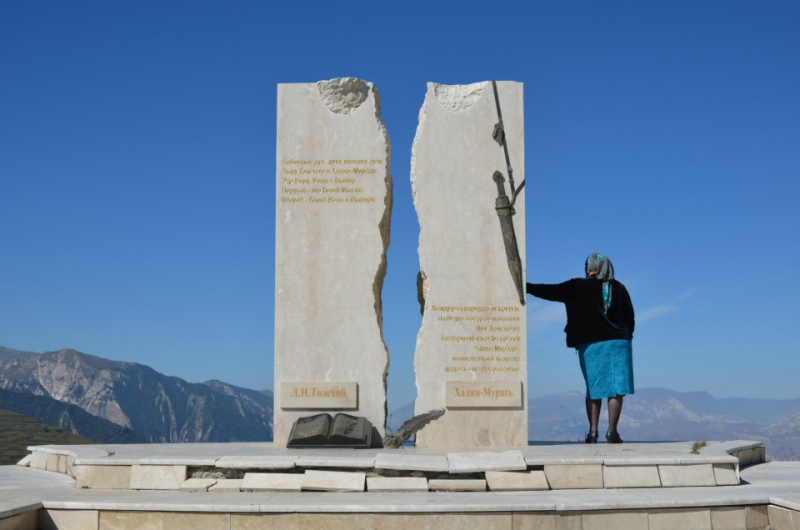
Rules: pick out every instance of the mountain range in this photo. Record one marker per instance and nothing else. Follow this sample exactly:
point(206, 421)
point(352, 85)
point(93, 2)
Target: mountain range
point(159, 408)
point(142, 404)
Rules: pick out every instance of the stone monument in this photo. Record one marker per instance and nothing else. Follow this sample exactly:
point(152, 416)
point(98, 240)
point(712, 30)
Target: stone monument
point(471, 354)
point(334, 197)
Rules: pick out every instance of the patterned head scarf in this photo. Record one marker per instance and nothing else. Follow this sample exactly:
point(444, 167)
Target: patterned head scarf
point(600, 264)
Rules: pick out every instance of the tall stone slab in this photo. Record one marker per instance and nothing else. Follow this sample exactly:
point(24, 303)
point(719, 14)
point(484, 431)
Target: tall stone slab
point(334, 197)
point(471, 354)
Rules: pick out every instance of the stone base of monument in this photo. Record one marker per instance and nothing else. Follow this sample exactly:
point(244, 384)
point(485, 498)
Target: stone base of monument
point(250, 485)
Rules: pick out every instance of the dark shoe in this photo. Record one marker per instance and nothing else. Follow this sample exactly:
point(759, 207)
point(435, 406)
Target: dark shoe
point(613, 437)
point(591, 438)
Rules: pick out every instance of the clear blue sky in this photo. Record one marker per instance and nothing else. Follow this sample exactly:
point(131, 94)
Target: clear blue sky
point(137, 147)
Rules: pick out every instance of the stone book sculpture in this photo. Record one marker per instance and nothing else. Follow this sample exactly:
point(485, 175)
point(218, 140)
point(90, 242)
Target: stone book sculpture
point(324, 430)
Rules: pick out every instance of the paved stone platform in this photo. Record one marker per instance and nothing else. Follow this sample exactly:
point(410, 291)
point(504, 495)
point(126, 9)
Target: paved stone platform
point(768, 497)
point(152, 486)
point(261, 467)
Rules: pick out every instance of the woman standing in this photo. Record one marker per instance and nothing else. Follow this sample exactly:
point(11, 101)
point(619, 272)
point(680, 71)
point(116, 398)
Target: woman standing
point(600, 326)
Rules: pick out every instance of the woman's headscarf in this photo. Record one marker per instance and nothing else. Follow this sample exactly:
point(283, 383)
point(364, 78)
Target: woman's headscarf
point(600, 264)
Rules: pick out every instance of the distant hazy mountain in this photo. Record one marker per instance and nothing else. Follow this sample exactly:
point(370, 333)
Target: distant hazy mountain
point(659, 414)
point(159, 407)
point(71, 418)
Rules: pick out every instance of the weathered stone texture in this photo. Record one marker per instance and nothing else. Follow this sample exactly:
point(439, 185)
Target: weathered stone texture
point(473, 326)
point(331, 237)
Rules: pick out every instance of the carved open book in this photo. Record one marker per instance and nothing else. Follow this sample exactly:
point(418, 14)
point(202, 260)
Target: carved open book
point(324, 430)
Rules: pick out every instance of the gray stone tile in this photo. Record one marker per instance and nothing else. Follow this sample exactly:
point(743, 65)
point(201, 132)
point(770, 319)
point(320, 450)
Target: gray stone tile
point(256, 462)
point(68, 520)
point(457, 485)
point(725, 475)
point(411, 462)
point(615, 520)
point(325, 461)
point(631, 477)
point(272, 482)
point(333, 481)
point(729, 518)
point(388, 484)
point(687, 475)
point(516, 480)
point(157, 477)
point(227, 485)
point(477, 461)
point(681, 518)
point(579, 476)
point(197, 484)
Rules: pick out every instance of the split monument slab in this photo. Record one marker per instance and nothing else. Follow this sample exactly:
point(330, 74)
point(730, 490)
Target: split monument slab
point(471, 353)
point(333, 205)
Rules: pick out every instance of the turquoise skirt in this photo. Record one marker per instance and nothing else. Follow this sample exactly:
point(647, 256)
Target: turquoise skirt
point(607, 368)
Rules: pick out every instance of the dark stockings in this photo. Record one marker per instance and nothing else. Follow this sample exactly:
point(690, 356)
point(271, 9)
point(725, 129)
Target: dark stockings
point(593, 407)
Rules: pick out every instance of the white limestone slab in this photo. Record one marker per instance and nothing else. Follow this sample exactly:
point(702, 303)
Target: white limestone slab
point(197, 484)
point(256, 462)
point(687, 475)
point(272, 482)
point(473, 326)
point(574, 476)
point(319, 395)
point(227, 485)
point(67, 520)
point(26, 460)
point(725, 475)
point(516, 480)
point(631, 477)
point(402, 462)
point(457, 485)
point(38, 460)
point(390, 484)
point(157, 477)
point(331, 237)
point(323, 460)
point(103, 477)
point(478, 461)
point(333, 481)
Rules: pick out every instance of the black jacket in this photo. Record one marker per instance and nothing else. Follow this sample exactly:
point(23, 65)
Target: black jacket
point(586, 321)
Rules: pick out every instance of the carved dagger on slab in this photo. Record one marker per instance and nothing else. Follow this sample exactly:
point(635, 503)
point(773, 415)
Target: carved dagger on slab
point(505, 206)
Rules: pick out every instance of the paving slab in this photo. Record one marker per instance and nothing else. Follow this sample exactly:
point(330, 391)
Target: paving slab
point(272, 482)
point(256, 462)
point(480, 461)
point(516, 481)
point(227, 485)
point(333, 481)
point(457, 485)
point(394, 484)
point(411, 462)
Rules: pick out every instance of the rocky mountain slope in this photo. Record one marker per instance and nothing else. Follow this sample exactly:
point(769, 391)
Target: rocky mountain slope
point(159, 407)
point(70, 418)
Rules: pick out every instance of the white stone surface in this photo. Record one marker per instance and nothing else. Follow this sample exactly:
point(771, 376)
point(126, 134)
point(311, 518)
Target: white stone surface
point(157, 477)
point(387, 484)
point(38, 460)
point(725, 475)
point(631, 477)
point(333, 481)
point(256, 462)
point(272, 482)
point(197, 484)
point(457, 485)
point(68, 520)
point(478, 461)
point(516, 480)
point(331, 238)
point(103, 477)
point(26, 460)
point(323, 460)
point(574, 476)
point(473, 327)
point(688, 475)
point(403, 462)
